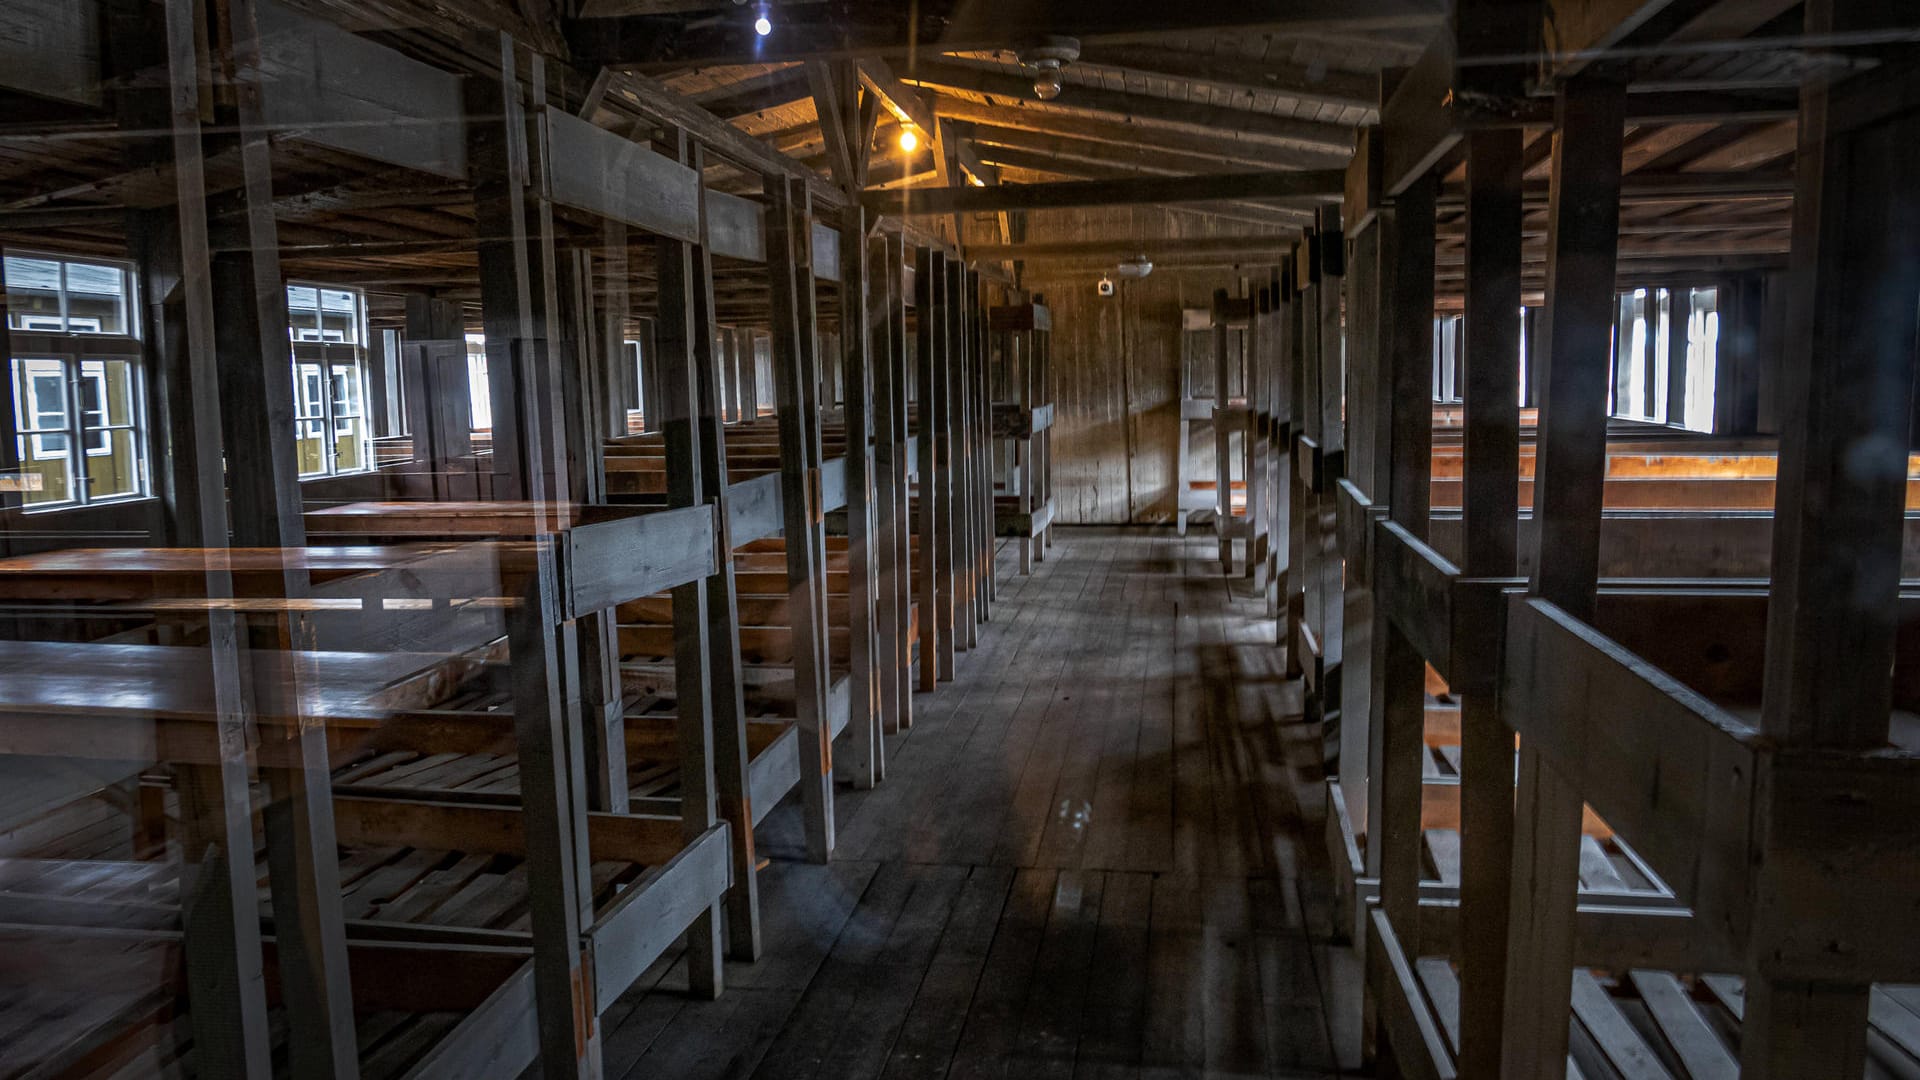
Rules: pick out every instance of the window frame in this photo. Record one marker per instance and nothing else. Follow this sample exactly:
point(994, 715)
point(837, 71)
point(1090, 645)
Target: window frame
point(74, 349)
point(77, 430)
point(327, 357)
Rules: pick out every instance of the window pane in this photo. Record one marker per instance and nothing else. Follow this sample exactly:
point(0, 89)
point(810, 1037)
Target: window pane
point(350, 445)
point(339, 315)
point(303, 312)
point(33, 294)
point(96, 299)
point(119, 471)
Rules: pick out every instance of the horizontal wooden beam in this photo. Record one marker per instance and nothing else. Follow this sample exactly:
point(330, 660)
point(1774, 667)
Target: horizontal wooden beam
point(1333, 140)
point(1244, 74)
point(905, 103)
point(635, 97)
point(1140, 156)
point(1320, 185)
point(768, 90)
point(1040, 118)
point(1277, 245)
point(617, 36)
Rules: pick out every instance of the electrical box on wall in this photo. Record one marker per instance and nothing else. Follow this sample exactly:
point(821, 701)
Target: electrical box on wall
point(1106, 286)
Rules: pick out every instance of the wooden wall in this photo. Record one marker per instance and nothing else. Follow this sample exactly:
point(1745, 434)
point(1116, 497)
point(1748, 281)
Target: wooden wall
point(1117, 364)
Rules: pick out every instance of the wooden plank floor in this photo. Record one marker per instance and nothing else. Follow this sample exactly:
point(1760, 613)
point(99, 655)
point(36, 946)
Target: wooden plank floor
point(1095, 854)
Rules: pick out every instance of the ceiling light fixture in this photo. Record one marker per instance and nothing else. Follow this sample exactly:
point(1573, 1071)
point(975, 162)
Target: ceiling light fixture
point(909, 142)
point(763, 25)
point(1046, 57)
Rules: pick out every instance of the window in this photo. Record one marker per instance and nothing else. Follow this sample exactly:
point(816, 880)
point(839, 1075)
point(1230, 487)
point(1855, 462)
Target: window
point(479, 393)
point(78, 395)
point(1663, 373)
point(328, 329)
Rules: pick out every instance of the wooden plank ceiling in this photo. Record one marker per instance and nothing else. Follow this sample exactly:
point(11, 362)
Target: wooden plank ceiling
point(1263, 87)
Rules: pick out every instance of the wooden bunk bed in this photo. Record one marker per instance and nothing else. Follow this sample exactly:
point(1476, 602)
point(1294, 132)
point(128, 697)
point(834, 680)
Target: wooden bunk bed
point(1023, 424)
point(1723, 721)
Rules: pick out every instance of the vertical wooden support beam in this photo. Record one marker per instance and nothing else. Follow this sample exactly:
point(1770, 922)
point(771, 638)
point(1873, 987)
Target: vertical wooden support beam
point(1397, 726)
point(1490, 520)
point(256, 403)
point(1294, 598)
point(220, 903)
point(1279, 445)
point(1043, 461)
point(883, 288)
point(1848, 388)
point(686, 348)
point(1222, 436)
point(933, 637)
point(1254, 435)
point(941, 431)
point(1020, 350)
point(732, 795)
point(983, 527)
point(895, 467)
point(439, 409)
point(1369, 453)
point(961, 499)
point(559, 888)
point(1329, 575)
point(789, 245)
point(514, 227)
point(1583, 228)
point(856, 338)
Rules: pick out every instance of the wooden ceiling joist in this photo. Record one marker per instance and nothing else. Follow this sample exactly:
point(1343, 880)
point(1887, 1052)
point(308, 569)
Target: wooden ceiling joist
point(614, 33)
point(1319, 185)
point(1160, 249)
point(1316, 85)
point(1034, 117)
point(1334, 141)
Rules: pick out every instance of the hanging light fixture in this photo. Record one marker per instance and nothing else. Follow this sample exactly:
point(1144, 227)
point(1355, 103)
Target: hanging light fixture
point(909, 139)
point(1045, 57)
point(762, 23)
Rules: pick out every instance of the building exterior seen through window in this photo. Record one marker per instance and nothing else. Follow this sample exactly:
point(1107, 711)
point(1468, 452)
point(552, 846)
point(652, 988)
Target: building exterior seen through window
point(78, 388)
point(328, 327)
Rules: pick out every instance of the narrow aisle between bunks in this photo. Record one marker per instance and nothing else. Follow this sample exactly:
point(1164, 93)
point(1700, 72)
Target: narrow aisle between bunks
point(1094, 856)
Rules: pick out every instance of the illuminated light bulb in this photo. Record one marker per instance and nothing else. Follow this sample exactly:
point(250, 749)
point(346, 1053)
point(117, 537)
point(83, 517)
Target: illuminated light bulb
point(909, 141)
point(763, 26)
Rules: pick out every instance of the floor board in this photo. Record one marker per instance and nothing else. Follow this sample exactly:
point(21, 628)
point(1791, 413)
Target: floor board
point(1094, 857)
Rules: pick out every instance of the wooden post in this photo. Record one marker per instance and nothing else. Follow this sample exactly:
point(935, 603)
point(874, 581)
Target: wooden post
point(898, 375)
point(1255, 435)
point(732, 795)
point(686, 346)
point(889, 468)
point(964, 507)
point(518, 305)
point(1568, 489)
point(1222, 437)
point(789, 245)
point(1397, 724)
point(1279, 444)
point(1329, 575)
point(1293, 380)
point(1490, 520)
point(1370, 406)
point(256, 404)
point(220, 904)
point(982, 391)
point(941, 431)
point(863, 699)
point(933, 635)
point(1846, 425)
